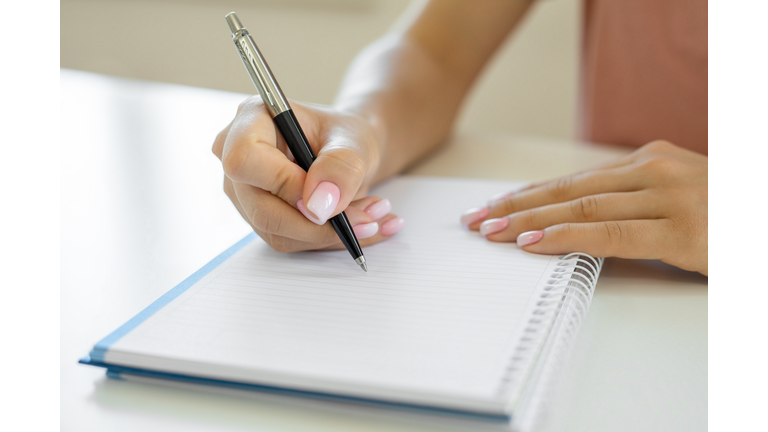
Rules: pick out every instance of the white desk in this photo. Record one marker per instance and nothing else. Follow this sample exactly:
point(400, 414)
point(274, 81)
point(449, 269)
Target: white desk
point(142, 208)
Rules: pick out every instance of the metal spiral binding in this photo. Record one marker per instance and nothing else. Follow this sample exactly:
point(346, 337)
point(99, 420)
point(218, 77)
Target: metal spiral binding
point(551, 332)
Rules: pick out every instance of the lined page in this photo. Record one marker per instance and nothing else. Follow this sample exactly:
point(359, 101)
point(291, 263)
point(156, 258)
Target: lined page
point(438, 313)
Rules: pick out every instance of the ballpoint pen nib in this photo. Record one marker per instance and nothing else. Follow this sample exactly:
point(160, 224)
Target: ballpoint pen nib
point(361, 262)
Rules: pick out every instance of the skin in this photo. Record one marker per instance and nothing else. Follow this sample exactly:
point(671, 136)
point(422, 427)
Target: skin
point(398, 103)
point(651, 204)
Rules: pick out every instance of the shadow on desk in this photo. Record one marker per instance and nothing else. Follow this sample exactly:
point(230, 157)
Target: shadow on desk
point(231, 409)
point(649, 276)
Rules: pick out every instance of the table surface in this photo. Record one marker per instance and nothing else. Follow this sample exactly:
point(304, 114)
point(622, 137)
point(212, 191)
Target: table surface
point(142, 208)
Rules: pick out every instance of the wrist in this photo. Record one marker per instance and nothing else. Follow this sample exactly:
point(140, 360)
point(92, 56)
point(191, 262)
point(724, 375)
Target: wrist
point(373, 131)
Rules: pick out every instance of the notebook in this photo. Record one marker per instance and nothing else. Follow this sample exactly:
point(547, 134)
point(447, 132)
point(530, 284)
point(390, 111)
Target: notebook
point(443, 322)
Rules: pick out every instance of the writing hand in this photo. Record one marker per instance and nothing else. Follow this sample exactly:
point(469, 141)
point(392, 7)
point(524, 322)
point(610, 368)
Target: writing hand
point(288, 207)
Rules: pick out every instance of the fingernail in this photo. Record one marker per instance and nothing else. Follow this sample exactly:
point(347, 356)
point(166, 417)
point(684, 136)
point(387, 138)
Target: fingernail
point(529, 237)
point(499, 196)
point(392, 226)
point(379, 209)
point(303, 210)
point(493, 225)
point(473, 215)
point(365, 230)
point(323, 201)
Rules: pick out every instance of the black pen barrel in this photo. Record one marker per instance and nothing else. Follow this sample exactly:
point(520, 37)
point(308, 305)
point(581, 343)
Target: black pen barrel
point(296, 140)
point(341, 224)
point(294, 136)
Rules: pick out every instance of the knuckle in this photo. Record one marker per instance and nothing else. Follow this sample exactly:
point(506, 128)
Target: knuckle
point(509, 206)
point(658, 146)
point(659, 165)
point(270, 220)
point(614, 234)
point(530, 217)
point(518, 221)
point(329, 237)
point(234, 159)
point(561, 187)
point(280, 182)
point(218, 142)
point(229, 189)
point(351, 159)
point(253, 102)
point(584, 208)
point(281, 244)
point(260, 218)
point(566, 229)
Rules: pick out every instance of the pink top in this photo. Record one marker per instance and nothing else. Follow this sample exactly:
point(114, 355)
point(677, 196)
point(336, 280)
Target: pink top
point(644, 72)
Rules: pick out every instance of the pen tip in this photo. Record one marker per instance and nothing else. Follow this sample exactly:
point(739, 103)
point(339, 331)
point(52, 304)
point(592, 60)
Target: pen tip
point(361, 262)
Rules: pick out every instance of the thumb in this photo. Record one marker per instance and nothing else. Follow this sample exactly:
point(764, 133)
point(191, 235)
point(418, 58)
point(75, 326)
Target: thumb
point(338, 172)
point(333, 180)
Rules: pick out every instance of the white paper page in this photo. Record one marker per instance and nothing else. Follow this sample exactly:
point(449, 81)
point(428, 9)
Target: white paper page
point(436, 317)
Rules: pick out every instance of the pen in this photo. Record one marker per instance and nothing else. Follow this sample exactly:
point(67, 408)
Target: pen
point(286, 122)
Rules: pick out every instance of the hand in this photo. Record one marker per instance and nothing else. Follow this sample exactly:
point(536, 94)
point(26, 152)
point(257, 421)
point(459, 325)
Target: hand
point(288, 207)
point(651, 204)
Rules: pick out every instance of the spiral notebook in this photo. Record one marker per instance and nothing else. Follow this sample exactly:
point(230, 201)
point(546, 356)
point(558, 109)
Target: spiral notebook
point(444, 321)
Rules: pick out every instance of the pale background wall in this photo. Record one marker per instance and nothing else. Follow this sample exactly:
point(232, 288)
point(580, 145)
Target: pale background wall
point(529, 87)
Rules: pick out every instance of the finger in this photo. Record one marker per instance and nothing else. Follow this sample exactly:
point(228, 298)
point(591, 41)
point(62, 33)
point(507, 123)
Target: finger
point(229, 189)
point(336, 175)
point(591, 208)
point(250, 155)
point(634, 239)
point(627, 160)
point(271, 215)
point(389, 226)
point(286, 244)
point(384, 225)
point(561, 190)
point(374, 207)
point(368, 232)
point(218, 143)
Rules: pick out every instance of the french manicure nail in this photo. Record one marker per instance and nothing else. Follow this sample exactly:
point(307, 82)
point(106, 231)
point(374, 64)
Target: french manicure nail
point(303, 210)
point(529, 237)
point(392, 226)
point(474, 215)
point(499, 196)
point(363, 231)
point(323, 201)
point(493, 226)
point(378, 209)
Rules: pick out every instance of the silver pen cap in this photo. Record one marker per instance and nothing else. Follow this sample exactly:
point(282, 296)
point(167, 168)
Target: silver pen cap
point(257, 67)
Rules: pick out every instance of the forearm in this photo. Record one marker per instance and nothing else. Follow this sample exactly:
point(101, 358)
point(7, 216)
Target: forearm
point(406, 95)
point(410, 84)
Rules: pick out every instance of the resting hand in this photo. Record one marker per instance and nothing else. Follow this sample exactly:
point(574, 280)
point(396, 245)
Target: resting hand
point(651, 204)
point(288, 207)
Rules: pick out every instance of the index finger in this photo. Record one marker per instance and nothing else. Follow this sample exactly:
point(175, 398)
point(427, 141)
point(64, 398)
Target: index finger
point(561, 190)
point(250, 155)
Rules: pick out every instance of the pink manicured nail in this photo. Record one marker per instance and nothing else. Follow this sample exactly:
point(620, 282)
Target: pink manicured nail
point(499, 196)
point(529, 237)
point(474, 215)
point(323, 201)
point(378, 209)
point(392, 226)
point(303, 210)
point(493, 226)
point(366, 230)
